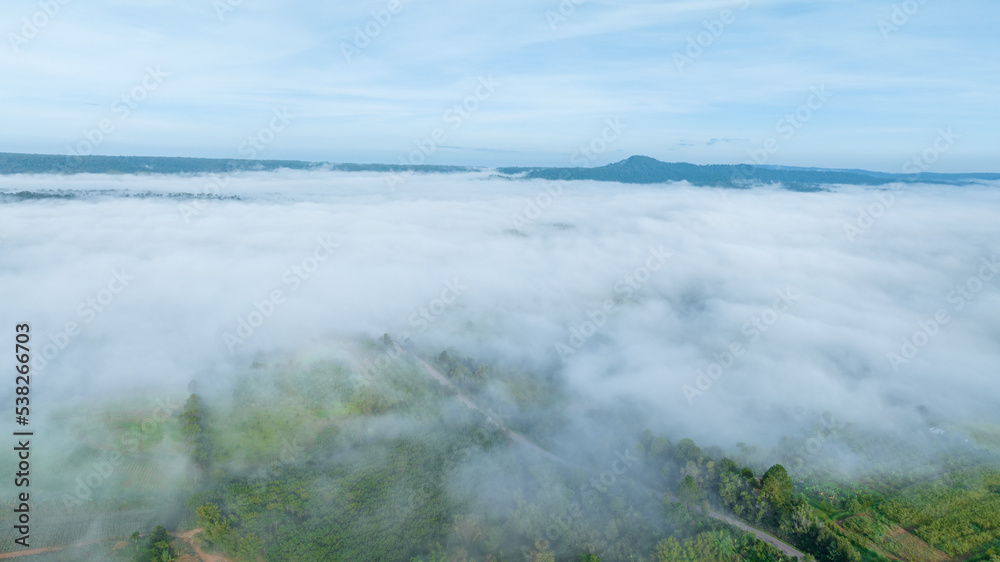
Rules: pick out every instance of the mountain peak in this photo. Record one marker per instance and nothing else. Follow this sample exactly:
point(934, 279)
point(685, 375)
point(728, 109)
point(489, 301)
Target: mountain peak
point(639, 159)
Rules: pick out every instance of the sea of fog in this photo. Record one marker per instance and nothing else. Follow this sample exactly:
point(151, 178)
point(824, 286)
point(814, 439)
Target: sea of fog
point(717, 314)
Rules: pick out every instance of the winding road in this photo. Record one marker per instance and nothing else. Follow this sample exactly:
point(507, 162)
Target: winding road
point(515, 436)
point(784, 547)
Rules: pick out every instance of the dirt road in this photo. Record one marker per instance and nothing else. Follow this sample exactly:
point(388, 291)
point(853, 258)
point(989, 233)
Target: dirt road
point(32, 552)
point(787, 549)
point(188, 537)
point(776, 543)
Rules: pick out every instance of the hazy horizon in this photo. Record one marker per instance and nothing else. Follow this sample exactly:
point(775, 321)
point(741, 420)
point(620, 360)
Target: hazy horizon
point(915, 166)
point(609, 280)
point(843, 85)
point(533, 229)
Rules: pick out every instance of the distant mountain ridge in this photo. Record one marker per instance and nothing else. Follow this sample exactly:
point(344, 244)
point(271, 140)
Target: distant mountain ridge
point(13, 163)
point(636, 170)
point(645, 170)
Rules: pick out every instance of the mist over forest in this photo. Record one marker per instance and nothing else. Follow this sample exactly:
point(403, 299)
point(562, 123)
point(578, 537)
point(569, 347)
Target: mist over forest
point(531, 259)
point(581, 314)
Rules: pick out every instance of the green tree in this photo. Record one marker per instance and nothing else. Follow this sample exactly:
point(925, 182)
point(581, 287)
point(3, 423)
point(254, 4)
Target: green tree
point(687, 451)
point(776, 485)
point(249, 547)
point(157, 547)
point(192, 426)
point(660, 448)
point(669, 550)
point(688, 491)
point(191, 418)
point(854, 506)
point(208, 514)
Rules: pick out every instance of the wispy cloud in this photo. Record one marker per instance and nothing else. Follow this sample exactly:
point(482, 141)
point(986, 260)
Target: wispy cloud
point(604, 59)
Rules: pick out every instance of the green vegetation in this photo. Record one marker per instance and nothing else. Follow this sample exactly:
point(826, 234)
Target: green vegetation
point(376, 459)
point(957, 513)
point(718, 546)
point(351, 476)
point(155, 548)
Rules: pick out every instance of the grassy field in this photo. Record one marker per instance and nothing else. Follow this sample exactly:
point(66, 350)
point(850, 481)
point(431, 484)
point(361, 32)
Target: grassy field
point(951, 512)
point(958, 513)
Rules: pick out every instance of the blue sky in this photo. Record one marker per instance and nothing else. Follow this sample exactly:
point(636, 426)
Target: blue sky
point(217, 71)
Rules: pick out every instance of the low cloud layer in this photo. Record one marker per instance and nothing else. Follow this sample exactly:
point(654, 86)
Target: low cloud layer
point(718, 313)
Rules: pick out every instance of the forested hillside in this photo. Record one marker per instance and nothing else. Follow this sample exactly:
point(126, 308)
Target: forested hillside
point(377, 459)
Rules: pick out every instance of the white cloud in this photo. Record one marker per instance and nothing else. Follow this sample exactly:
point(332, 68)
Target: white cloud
point(732, 251)
point(607, 58)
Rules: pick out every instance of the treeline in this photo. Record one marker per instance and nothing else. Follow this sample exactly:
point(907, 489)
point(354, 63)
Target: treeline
point(355, 495)
point(12, 163)
point(464, 371)
point(705, 480)
point(367, 487)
